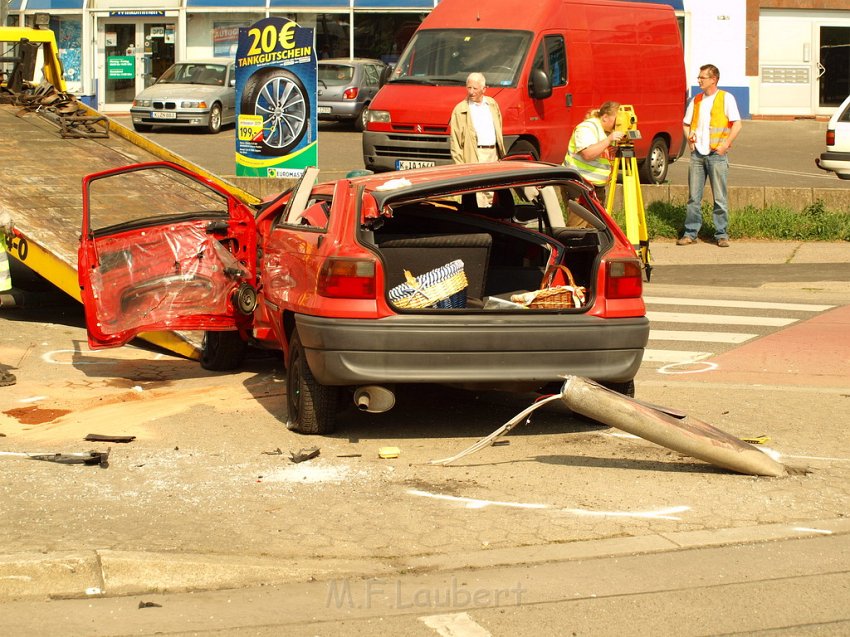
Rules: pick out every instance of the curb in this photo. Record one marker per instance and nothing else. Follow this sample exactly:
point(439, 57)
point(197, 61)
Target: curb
point(110, 573)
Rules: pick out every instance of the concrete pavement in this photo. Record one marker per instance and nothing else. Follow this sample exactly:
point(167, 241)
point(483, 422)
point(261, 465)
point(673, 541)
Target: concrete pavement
point(35, 570)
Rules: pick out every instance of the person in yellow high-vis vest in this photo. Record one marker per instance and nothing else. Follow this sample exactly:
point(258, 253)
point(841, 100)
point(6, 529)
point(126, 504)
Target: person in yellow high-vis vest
point(589, 150)
point(6, 378)
point(711, 124)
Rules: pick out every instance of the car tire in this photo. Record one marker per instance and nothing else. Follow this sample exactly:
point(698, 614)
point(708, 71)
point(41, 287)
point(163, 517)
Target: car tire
point(222, 351)
point(311, 407)
point(142, 128)
point(524, 147)
point(654, 168)
point(362, 119)
point(280, 98)
point(214, 125)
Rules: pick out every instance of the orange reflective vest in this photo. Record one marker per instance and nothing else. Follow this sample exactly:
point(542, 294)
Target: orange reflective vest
point(719, 126)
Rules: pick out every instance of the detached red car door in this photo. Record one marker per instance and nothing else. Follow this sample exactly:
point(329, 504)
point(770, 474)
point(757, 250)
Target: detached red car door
point(163, 249)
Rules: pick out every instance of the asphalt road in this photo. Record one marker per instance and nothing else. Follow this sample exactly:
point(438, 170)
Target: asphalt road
point(766, 153)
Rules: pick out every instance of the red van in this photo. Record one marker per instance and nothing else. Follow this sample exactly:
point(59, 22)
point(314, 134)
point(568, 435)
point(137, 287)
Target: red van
point(547, 63)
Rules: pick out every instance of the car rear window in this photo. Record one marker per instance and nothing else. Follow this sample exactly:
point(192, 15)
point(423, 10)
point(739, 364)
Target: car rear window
point(335, 74)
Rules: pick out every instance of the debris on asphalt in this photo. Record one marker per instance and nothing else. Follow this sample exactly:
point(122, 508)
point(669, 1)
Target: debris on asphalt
point(757, 440)
point(276, 452)
point(86, 457)
point(349, 455)
point(149, 605)
point(500, 443)
point(304, 454)
point(388, 452)
point(105, 438)
point(665, 427)
point(89, 458)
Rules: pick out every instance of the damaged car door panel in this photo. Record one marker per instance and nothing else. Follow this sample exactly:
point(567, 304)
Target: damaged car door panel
point(373, 281)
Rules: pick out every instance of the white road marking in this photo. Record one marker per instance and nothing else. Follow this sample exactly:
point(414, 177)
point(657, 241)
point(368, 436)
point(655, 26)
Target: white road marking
point(755, 305)
point(32, 399)
point(718, 319)
point(661, 514)
point(456, 625)
point(673, 356)
point(688, 367)
point(704, 337)
point(805, 529)
point(473, 503)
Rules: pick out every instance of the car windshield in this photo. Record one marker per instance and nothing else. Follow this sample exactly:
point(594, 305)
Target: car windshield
point(194, 73)
point(447, 56)
point(335, 74)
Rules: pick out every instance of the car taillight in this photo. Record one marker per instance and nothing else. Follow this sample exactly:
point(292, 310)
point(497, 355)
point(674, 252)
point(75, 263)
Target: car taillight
point(830, 137)
point(347, 279)
point(623, 279)
point(350, 93)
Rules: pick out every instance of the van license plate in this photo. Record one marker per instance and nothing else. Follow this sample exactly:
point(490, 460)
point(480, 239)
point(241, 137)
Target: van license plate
point(164, 115)
point(407, 164)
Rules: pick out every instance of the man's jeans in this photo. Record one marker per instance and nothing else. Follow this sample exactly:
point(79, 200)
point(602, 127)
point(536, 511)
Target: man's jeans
point(716, 168)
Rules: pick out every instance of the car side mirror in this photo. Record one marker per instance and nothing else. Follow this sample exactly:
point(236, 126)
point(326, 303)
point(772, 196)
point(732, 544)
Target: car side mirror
point(540, 87)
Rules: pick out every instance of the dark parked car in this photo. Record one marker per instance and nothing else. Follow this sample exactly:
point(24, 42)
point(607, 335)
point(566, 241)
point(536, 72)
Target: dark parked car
point(319, 274)
point(346, 87)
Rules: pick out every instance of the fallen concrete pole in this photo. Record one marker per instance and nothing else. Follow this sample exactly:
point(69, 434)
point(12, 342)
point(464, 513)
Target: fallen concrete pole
point(689, 436)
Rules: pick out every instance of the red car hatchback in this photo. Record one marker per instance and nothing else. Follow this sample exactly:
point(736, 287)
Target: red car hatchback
point(373, 281)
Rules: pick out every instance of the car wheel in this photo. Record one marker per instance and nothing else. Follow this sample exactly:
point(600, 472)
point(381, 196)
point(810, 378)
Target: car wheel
point(311, 407)
point(281, 99)
point(523, 147)
point(361, 120)
point(142, 128)
point(214, 125)
point(222, 351)
point(653, 170)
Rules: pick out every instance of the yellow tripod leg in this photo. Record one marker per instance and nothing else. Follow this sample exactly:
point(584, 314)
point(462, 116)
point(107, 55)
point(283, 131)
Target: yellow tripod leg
point(612, 187)
point(642, 242)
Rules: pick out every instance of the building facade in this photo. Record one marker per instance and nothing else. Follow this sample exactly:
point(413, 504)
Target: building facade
point(779, 57)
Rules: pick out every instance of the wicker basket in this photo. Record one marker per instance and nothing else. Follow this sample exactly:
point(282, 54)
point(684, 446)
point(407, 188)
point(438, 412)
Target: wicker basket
point(443, 288)
point(557, 297)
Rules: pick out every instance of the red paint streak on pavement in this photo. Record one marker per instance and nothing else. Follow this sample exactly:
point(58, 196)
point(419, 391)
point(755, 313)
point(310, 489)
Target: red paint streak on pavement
point(815, 352)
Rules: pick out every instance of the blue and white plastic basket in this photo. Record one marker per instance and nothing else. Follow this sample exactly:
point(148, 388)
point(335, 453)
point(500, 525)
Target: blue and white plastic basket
point(442, 288)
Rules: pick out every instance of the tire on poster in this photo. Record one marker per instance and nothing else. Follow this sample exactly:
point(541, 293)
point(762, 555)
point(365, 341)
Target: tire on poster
point(280, 98)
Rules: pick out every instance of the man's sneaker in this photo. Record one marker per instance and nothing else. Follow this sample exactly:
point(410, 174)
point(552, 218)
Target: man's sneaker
point(723, 243)
point(686, 241)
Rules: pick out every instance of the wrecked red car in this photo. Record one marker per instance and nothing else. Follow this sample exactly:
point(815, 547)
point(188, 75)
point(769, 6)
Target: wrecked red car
point(364, 283)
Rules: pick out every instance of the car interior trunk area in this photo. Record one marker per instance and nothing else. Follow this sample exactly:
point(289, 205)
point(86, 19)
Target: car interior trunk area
point(504, 250)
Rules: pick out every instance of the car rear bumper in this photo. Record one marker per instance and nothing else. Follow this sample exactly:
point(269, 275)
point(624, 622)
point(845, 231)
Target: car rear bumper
point(839, 163)
point(469, 349)
point(339, 110)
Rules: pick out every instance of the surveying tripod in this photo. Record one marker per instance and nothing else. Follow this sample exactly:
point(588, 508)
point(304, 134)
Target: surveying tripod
point(636, 231)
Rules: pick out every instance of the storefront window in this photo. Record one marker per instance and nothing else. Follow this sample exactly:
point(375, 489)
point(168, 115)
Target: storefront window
point(383, 36)
point(69, 38)
point(216, 34)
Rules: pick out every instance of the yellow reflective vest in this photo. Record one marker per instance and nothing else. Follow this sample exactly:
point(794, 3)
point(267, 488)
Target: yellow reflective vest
point(719, 126)
point(596, 171)
point(5, 274)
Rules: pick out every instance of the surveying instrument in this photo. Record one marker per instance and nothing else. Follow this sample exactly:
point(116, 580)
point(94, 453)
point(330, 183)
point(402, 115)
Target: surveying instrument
point(625, 164)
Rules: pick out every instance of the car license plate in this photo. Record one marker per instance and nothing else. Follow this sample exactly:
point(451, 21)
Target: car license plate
point(324, 110)
point(163, 115)
point(407, 164)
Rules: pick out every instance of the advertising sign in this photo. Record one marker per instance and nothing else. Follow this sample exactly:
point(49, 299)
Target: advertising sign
point(120, 67)
point(276, 133)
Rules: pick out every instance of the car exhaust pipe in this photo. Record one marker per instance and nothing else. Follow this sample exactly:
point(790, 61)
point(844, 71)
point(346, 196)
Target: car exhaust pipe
point(374, 399)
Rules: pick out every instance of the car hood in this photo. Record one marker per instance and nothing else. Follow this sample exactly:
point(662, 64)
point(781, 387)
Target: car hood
point(170, 91)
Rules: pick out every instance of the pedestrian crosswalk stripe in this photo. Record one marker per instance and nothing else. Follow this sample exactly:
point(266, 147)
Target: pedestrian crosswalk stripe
point(754, 305)
point(718, 319)
point(673, 356)
point(705, 337)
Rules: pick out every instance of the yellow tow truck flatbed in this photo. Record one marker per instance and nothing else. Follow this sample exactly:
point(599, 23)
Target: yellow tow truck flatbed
point(43, 171)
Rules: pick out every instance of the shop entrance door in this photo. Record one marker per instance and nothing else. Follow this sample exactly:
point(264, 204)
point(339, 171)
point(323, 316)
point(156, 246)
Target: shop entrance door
point(833, 66)
point(135, 53)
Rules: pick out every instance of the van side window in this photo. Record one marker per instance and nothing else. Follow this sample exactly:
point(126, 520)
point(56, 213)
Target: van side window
point(551, 57)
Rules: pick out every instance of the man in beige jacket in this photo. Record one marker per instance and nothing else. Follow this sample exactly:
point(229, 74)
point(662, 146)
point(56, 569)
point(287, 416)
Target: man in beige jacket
point(476, 129)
